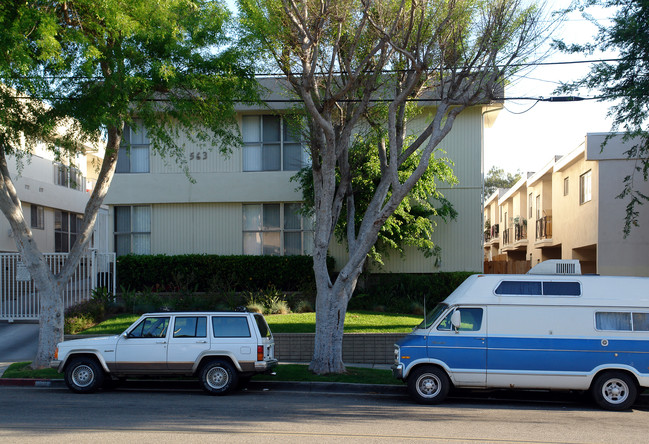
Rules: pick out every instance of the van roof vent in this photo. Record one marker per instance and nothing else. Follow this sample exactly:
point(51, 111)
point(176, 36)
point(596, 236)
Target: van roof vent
point(557, 266)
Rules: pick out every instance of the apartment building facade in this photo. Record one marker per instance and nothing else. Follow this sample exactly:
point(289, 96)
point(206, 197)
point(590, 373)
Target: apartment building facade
point(53, 195)
point(569, 210)
point(246, 203)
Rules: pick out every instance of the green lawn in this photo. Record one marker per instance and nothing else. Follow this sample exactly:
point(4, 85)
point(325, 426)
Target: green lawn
point(355, 322)
point(20, 370)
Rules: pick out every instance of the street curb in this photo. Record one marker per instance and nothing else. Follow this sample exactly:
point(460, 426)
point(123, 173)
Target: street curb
point(280, 386)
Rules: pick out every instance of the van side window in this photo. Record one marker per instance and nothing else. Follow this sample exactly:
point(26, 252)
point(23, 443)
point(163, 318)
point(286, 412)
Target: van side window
point(471, 320)
point(561, 289)
point(613, 321)
point(534, 288)
point(531, 288)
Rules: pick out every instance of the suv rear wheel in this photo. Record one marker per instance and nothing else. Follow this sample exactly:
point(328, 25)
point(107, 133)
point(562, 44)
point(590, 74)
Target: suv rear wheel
point(219, 377)
point(84, 375)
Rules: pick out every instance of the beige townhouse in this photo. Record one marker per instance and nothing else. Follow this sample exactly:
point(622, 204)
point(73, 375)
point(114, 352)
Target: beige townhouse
point(572, 211)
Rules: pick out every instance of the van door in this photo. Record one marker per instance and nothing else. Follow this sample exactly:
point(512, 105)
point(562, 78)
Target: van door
point(462, 349)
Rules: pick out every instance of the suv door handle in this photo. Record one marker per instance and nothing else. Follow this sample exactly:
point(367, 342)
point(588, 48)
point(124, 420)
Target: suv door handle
point(201, 342)
point(160, 342)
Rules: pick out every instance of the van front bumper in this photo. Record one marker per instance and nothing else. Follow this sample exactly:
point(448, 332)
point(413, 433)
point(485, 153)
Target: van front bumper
point(397, 371)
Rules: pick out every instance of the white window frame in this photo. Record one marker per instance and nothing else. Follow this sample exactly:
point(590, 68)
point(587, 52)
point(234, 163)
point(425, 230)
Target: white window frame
point(126, 160)
point(263, 230)
point(37, 217)
point(69, 233)
point(566, 185)
point(132, 232)
point(585, 187)
point(254, 146)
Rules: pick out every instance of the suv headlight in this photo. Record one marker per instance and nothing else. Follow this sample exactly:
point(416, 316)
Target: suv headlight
point(397, 352)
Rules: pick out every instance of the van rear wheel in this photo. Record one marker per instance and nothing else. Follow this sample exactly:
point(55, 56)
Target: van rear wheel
point(614, 391)
point(428, 385)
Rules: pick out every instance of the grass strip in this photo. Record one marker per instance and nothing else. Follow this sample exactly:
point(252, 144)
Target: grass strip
point(355, 322)
point(20, 370)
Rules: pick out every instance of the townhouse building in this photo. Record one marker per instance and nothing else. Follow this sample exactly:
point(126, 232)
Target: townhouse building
point(569, 210)
point(246, 203)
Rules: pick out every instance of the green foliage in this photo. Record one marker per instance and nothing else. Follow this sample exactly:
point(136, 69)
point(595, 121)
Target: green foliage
point(397, 292)
point(497, 178)
point(160, 273)
point(22, 370)
point(83, 315)
point(625, 82)
point(106, 63)
point(414, 220)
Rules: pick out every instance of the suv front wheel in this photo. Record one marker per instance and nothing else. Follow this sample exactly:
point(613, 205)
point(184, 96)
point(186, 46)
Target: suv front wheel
point(84, 375)
point(219, 377)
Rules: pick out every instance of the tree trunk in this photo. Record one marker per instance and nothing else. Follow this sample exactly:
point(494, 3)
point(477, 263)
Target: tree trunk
point(51, 321)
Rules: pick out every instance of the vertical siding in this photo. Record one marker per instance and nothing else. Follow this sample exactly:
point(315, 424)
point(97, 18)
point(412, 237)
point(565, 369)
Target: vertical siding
point(211, 160)
point(196, 228)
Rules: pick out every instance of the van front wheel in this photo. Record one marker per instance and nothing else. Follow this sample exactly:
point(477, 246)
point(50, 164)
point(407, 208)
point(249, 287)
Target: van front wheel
point(428, 385)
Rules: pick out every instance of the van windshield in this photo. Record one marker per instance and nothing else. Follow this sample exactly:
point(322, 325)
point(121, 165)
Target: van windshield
point(432, 316)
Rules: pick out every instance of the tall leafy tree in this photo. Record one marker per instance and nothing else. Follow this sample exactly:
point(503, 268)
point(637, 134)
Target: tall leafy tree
point(624, 82)
point(497, 178)
point(343, 59)
point(80, 70)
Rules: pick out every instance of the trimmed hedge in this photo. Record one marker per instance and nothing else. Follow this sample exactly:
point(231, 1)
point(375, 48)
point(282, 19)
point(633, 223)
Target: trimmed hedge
point(398, 292)
point(196, 272)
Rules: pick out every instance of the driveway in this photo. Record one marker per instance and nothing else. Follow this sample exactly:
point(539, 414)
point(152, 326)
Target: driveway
point(18, 342)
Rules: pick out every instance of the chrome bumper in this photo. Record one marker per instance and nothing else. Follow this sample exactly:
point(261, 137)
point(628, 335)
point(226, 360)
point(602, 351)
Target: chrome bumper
point(55, 364)
point(264, 366)
point(397, 371)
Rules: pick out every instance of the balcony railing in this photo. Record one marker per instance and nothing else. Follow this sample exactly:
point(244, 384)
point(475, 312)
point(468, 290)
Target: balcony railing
point(487, 236)
point(544, 228)
point(520, 232)
point(495, 231)
point(508, 236)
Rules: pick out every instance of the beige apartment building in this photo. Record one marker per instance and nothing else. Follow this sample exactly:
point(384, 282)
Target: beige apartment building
point(245, 203)
point(53, 196)
point(569, 210)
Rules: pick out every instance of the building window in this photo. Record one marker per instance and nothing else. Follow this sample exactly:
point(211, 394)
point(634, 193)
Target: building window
point(538, 207)
point(69, 177)
point(276, 229)
point(133, 154)
point(66, 228)
point(585, 189)
point(271, 144)
point(132, 230)
point(566, 186)
point(38, 217)
point(529, 200)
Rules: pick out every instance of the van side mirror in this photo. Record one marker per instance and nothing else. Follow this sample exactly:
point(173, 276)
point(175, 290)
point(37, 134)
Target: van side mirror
point(456, 320)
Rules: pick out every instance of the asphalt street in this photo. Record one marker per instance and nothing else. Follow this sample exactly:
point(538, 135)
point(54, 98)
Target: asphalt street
point(165, 415)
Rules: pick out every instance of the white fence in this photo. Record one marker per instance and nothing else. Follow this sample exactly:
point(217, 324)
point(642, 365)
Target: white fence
point(18, 294)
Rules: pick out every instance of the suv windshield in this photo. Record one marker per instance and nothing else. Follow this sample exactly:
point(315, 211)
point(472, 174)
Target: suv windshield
point(432, 316)
point(264, 331)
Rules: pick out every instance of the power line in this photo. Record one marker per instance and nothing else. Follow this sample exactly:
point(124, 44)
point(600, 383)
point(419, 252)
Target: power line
point(386, 71)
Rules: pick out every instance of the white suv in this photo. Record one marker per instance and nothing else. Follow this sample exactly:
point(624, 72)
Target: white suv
point(221, 348)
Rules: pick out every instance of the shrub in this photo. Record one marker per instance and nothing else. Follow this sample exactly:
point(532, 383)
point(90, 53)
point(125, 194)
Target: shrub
point(304, 307)
point(207, 273)
point(279, 307)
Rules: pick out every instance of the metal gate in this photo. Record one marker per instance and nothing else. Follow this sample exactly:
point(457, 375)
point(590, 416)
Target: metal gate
point(18, 294)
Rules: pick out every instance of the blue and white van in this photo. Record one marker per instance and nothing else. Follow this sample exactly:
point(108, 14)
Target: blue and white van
point(552, 328)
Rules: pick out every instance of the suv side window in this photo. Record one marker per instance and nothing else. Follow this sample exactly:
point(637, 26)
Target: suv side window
point(190, 327)
point(230, 327)
point(151, 328)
